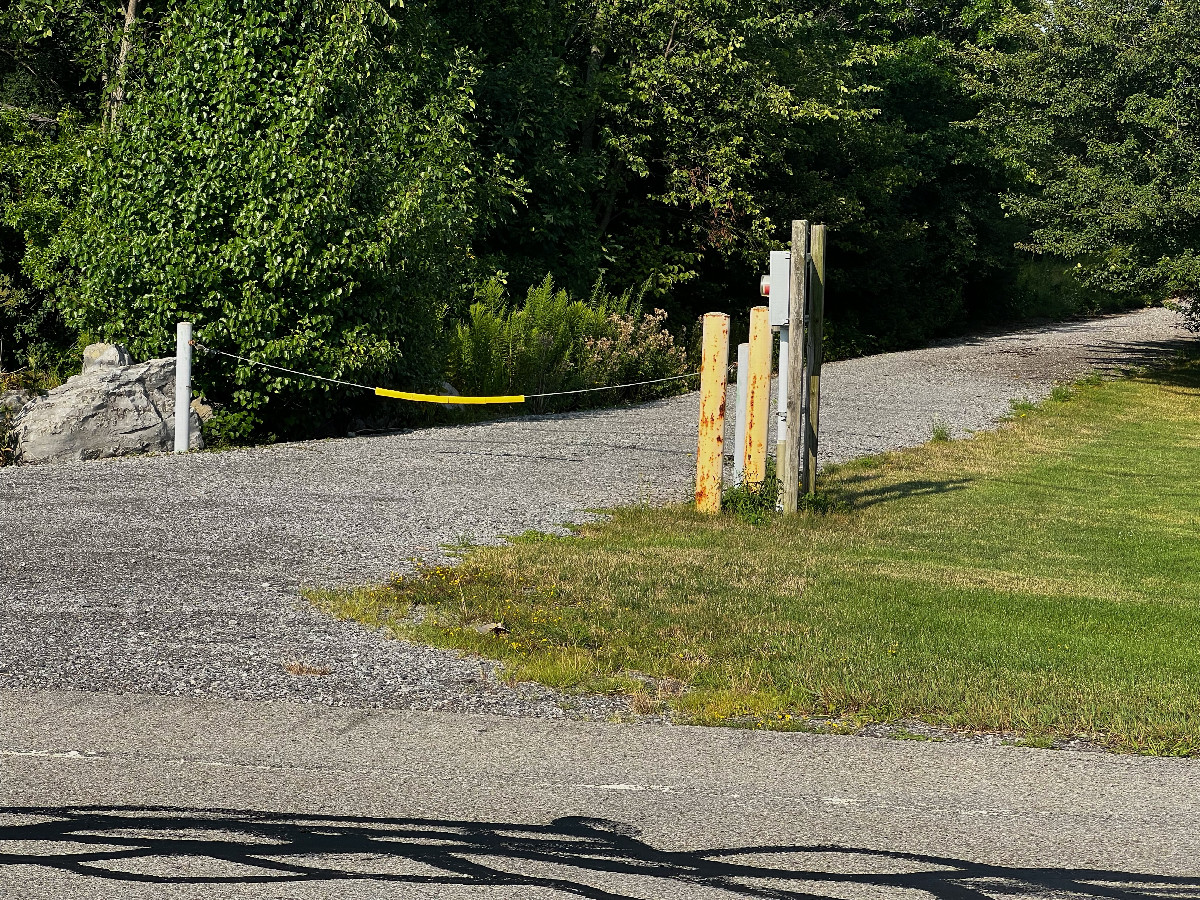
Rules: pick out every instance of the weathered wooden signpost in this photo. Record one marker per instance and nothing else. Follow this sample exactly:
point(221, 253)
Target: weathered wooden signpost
point(789, 466)
point(796, 288)
point(815, 353)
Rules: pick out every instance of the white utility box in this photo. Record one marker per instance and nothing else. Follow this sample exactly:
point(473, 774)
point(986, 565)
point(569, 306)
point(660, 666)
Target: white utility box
point(780, 292)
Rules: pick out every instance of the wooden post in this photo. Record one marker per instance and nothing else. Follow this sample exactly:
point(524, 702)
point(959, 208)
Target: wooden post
point(790, 480)
point(816, 355)
point(710, 457)
point(758, 396)
point(781, 413)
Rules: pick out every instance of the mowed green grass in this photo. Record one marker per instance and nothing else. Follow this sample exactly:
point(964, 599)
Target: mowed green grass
point(1042, 578)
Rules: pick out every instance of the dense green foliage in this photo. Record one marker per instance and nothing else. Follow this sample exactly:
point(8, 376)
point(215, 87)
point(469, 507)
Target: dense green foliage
point(551, 343)
point(290, 187)
point(41, 161)
point(1095, 106)
point(333, 184)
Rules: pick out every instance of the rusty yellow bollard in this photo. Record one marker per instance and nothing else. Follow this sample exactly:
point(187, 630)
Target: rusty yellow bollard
point(758, 400)
point(710, 455)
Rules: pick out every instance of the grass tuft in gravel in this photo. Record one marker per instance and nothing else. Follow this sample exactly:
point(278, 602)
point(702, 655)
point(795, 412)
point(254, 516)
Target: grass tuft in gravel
point(1042, 579)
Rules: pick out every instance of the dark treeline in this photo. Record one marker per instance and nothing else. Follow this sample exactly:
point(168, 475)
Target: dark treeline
point(339, 185)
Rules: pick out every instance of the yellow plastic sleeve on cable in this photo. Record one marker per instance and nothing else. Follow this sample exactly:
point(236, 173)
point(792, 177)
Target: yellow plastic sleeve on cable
point(447, 398)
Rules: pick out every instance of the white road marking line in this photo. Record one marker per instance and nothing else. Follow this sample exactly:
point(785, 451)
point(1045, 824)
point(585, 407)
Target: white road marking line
point(53, 754)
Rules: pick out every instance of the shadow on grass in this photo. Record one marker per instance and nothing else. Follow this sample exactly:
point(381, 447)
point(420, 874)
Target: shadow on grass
point(573, 856)
point(868, 489)
point(1184, 374)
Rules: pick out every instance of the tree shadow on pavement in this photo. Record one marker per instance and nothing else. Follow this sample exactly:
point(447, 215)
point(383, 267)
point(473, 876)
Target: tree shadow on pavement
point(582, 857)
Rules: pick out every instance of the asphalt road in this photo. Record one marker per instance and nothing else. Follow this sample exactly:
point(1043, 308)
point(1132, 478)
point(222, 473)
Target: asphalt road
point(149, 797)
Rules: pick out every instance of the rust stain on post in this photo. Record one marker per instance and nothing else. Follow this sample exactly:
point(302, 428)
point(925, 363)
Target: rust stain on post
point(710, 455)
point(758, 397)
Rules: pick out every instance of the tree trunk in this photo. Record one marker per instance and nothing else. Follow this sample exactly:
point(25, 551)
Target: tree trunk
point(117, 98)
point(595, 60)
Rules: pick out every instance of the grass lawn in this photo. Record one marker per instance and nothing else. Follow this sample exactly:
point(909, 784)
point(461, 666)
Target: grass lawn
point(1043, 578)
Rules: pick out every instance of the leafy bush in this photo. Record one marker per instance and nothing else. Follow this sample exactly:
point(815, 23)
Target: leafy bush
point(40, 176)
point(553, 343)
point(296, 178)
point(1093, 103)
point(1187, 306)
point(1051, 287)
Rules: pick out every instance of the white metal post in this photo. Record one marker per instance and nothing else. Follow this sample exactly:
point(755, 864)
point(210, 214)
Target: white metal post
point(183, 386)
point(739, 427)
point(781, 406)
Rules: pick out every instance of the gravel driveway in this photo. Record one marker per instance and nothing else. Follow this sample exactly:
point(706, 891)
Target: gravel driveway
point(179, 575)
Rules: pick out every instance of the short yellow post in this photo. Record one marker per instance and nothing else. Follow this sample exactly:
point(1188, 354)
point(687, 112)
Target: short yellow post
point(710, 454)
point(758, 398)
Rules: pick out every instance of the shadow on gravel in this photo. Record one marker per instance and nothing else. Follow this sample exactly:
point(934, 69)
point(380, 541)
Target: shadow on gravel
point(1117, 356)
point(593, 858)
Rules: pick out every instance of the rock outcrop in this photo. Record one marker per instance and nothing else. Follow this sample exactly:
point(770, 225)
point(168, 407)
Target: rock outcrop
point(111, 409)
point(12, 402)
point(105, 356)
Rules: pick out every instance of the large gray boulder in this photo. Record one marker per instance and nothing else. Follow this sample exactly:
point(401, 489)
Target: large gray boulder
point(111, 409)
point(108, 356)
point(11, 402)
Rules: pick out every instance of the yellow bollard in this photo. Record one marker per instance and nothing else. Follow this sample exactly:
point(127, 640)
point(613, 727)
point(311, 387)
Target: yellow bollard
point(758, 400)
point(710, 455)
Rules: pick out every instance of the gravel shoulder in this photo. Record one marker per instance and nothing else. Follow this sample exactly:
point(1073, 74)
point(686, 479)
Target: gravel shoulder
point(180, 575)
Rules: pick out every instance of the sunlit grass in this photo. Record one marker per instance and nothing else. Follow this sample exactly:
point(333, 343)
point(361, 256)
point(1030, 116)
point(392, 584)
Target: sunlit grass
point(1043, 578)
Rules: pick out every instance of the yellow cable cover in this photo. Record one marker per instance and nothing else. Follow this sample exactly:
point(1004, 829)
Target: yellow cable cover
point(447, 398)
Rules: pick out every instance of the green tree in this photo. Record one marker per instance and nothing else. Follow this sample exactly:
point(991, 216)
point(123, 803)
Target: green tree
point(296, 178)
point(1094, 104)
point(644, 132)
point(919, 245)
point(41, 168)
point(675, 141)
point(48, 91)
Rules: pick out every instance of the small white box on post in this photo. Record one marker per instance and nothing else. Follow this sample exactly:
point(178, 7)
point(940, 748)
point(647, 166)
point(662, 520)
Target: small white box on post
point(183, 386)
point(779, 288)
point(743, 407)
